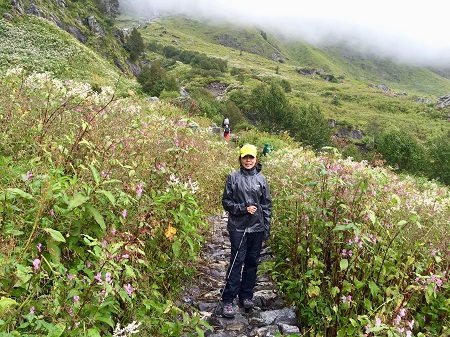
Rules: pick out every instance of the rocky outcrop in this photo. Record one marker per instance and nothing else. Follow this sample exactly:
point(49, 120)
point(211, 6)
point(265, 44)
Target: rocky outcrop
point(228, 41)
point(96, 29)
point(443, 101)
point(271, 315)
point(77, 33)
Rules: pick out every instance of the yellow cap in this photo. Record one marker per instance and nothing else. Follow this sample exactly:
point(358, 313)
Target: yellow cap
point(249, 149)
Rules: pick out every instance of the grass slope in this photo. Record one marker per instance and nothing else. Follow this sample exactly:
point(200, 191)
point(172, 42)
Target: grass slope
point(38, 45)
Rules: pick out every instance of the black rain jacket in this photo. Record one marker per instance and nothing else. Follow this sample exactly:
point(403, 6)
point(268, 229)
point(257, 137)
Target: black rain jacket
point(244, 188)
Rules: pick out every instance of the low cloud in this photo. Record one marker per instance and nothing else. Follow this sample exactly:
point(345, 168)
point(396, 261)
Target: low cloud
point(397, 29)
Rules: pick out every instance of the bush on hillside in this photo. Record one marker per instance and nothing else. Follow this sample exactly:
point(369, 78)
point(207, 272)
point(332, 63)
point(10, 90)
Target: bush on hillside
point(401, 150)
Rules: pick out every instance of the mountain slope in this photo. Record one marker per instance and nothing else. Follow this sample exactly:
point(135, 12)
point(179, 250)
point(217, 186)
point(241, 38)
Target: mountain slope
point(336, 60)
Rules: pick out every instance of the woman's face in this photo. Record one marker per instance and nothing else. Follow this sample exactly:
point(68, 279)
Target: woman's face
point(248, 162)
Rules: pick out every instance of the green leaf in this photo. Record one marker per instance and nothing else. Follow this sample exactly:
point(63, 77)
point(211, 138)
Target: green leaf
point(93, 332)
point(57, 236)
point(55, 331)
point(55, 252)
point(200, 332)
point(18, 192)
point(176, 247)
point(373, 288)
point(343, 264)
point(334, 291)
point(77, 200)
point(6, 303)
point(109, 195)
point(97, 216)
point(95, 174)
point(102, 318)
point(129, 271)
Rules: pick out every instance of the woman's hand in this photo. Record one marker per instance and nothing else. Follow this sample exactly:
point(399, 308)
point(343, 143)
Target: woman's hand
point(251, 209)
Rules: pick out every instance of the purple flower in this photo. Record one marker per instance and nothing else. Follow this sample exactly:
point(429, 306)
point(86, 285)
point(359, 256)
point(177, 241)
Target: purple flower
point(70, 277)
point(38, 246)
point(52, 212)
point(36, 264)
point(98, 277)
point(88, 264)
point(32, 311)
point(124, 213)
point(344, 299)
point(129, 289)
point(29, 175)
point(344, 252)
point(139, 189)
point(104, 244)
point(108, 277)
point(76, 298)
point(377, 322)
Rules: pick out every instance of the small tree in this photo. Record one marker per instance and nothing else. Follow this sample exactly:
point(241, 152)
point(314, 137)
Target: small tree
point(153, 79)
point(402, 150)
point(311, 127)
point(439, 154)
point(135, 45)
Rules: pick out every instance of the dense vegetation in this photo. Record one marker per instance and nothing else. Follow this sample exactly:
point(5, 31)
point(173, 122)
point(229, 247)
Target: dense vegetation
point(104, 196)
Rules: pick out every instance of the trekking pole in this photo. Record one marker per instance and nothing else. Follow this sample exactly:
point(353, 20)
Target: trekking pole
point(231, 269)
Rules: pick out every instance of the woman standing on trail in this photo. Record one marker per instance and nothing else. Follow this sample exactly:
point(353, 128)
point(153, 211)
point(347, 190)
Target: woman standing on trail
point(246, 197)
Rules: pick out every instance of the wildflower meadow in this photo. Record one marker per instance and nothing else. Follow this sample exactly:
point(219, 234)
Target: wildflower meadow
point(104, 206)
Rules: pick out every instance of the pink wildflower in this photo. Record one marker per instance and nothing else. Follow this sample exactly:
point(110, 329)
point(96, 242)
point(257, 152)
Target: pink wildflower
point(377, 322)
point(124, 213)
point(29, 175)
point(36, 264)
point(129, 289)
point(139, 189)
point(98, 277)
point(38, 246)
point(76, 298)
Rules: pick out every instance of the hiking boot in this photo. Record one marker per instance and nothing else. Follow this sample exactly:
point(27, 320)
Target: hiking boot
point(228, 310)
point(248, 303)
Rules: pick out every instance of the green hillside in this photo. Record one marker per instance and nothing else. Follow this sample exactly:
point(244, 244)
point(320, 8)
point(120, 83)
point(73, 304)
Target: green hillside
point(40, 46)
point(351, 98)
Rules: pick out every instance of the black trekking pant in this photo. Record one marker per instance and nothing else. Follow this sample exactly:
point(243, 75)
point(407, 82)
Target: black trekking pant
point(242, 277)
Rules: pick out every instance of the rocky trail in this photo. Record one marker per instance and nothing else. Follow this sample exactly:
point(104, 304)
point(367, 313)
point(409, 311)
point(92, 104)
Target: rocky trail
point(270, 316)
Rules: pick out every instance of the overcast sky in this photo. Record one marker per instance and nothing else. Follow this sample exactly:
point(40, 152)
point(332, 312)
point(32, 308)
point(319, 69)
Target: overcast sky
point(410, 30)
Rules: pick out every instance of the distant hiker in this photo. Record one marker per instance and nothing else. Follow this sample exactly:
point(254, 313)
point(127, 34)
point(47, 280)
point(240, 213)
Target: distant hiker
point(226, 132)
point(246, 198)
point(267, 149)
point(225, 122)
